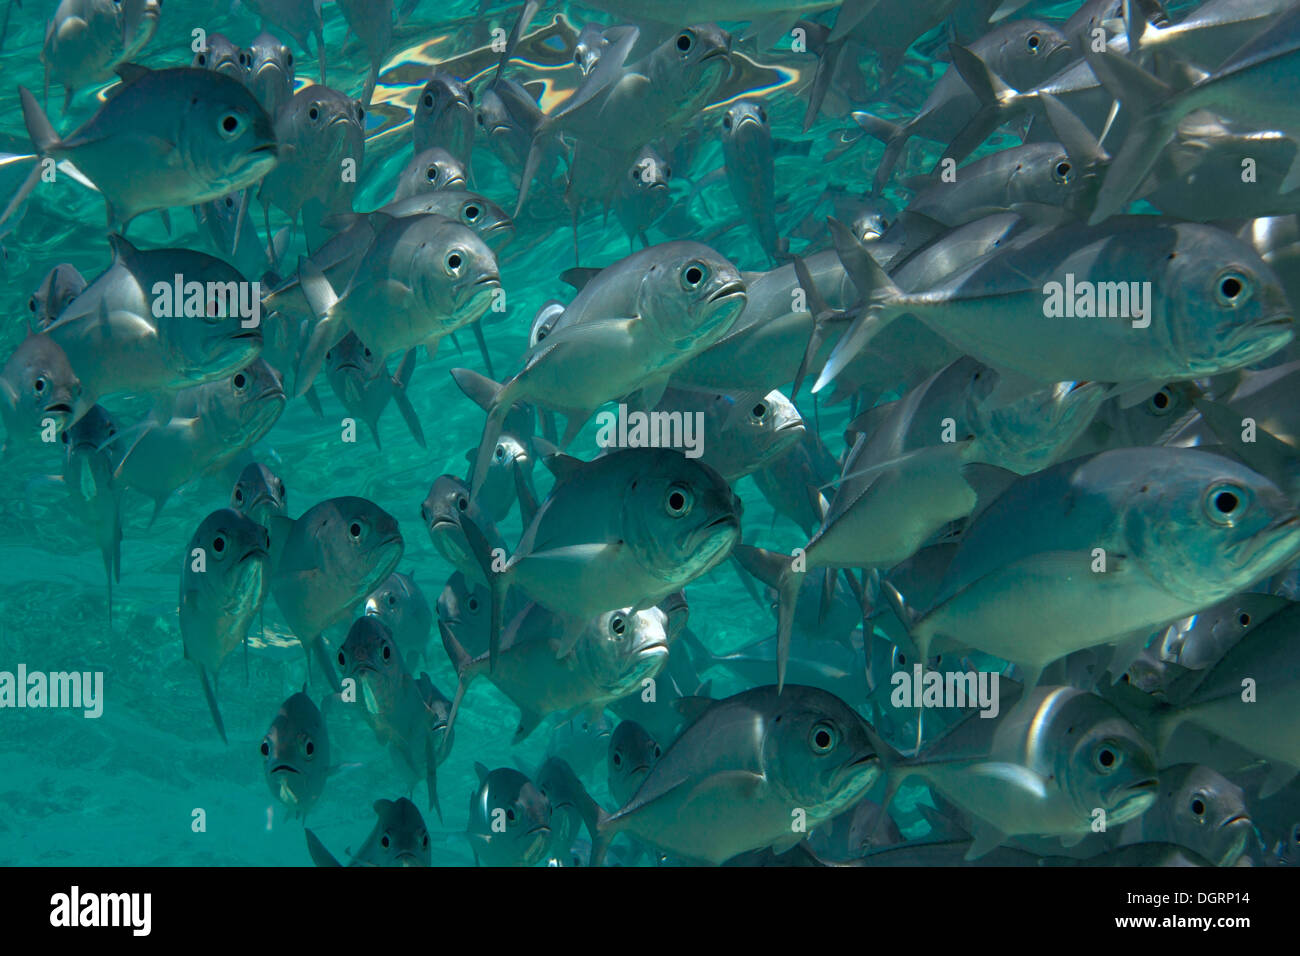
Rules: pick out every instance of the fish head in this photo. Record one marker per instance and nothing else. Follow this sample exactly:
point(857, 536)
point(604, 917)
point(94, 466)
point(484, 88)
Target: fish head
point(515, 813)
point(758, 430)
point(444, 114)
point(350, 365)
point(1097, 757)
point(270, 72)
point(485, 217)
point(745, 126)
point(680, 517)
point(296, 753)
point(441, 511)
point(236, 558)
point(259, 493)
point(589, 45)
point(60, 286)
point(400, 604)
point(322, 125)
point(244, 406)
point(86, 438)
point(492, 116)
point(433, 169)
point(1204, 526)
point(691, 295)
point(692, 65)
point(400, 837)
point(464, 609)
point(360, 543)
point(1199, 808)
point(816, 748)
point(371, 656)
point(544, 321)
point(1229, 307)
point(1029, 52)
point(226, 135)
point(622, 648)
point(38, 385)
point(456, 272)
point(1031, 432)
point(222, 56)
point(632, 754)
point(215, 343)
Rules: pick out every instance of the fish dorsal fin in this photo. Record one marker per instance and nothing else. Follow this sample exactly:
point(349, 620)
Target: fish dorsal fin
point(382, 806)
point(562, 466)
point(482, 772)
point(579, 276)
point(131, 72)
point(123, 251)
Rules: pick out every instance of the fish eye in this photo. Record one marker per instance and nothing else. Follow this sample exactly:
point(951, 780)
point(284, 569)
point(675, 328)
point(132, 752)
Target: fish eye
point(218, 544)
point(762, 114)
point(658, 752)
point(244, 59)
point(823, 737)
point(239, 381)
point(617, 759)
point(428, 100)
point(473, 604)
point(1031, 44)
point(479, 117)
point(685, 41)
point(202, 59)
point(343, 659)
point(392, 600)
point(453, 263)
point(387, 652)
point(469, 96)
point(726, 121)
point(309, 748)
point(239, 497)
point(288, 59)
point(424, 840)
point(367, 351)
point(63, 437)
point(313, 114)
point(470, 213)
point(1243, 619)
point(617, 625)
point(431, 173)
point(635, 173)
point(39, 385)
point(500, 452)
point(510, 815)
point(1062, 172)
point(1232, 288)
point(355, 529)
point(230, 202)
point(679, 501)
point(693, 275)
point(384, 841)
point(462, 503)
point(1198, 804)
point(1161, 403)
point(266, 748)
point(1105, 759)
point(231, 124)
point(31, 304)
point(758, 412)
point(1223, 502)
point(361, 112)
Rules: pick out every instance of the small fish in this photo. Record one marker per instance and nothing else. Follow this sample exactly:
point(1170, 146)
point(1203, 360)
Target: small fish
point(39, 391)
point(430, 170)
point(361, 380)
point(270, 73)
point(632, 755)
point(401, 605)
point(222, 55)
point(259, 493)
point(509, 819)
point(88, 476)
point(223, 583)
point(1199, 809)
point(445, 512)
point(60, 286)
point(399, 838)
point(582, 740)
point(296, 754)
point(301, 19)
point(444, 116)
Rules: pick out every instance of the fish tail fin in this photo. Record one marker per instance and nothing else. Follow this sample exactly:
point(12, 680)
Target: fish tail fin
point(38, 124)
point(535, 150)
point(210, 693)
point(784, 574)
point(431, 774)
point(321, 298)
point(894, 138)
point(822, 315)
point(498, 406)
point(319, 855)
point(401, 381)
point(998, 102)
point(313, 401)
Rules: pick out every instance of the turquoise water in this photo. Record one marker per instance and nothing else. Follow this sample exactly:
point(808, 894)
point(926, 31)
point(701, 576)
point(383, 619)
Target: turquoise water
point(123, 789)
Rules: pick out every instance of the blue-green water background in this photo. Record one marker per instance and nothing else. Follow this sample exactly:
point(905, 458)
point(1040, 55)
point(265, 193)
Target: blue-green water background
point(122, 789)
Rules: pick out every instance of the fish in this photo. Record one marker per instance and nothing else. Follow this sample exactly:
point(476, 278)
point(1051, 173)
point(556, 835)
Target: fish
point(120, 335)
point(544, 669)
point(571, 805)
point(207, 427)
point(739, 776)
point(446, 510)
point(741, 433)
point(749, 152)
point(399, 838)
point(224, 579)
point(40, 393)
point(88, 476)
point(444, 116)
point(60, 286)
point(404, 610)
point(1045, 765)
point(270, 73)
point(409, 717)
point(430, 170)
point(296, 754)
point(582, 741)
point(1199, 809)
point(222, 55)
point(361, 380)
point(591, 546)
point(509, 819)
point(644, 195)
point(259, 493)
point(299, 18)
point(326, 562)
point(171, 137)
point(423, 278)
point(632, 754)
point(86, 39)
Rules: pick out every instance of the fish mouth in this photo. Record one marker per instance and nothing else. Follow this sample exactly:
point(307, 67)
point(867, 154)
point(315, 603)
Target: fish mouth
point(256, 552)
point(1241, 818)
point(730, 289)
point(272, 148)
point(284, 768)
point(490, 279)
point(408, 858)
point(60, 408)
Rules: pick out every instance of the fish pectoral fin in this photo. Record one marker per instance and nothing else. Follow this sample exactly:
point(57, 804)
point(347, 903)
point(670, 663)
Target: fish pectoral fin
point(319, 855)
point(528, 721)
point(986, 838)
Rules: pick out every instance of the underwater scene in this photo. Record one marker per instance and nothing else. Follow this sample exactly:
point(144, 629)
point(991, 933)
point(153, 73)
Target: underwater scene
point(650, 433)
